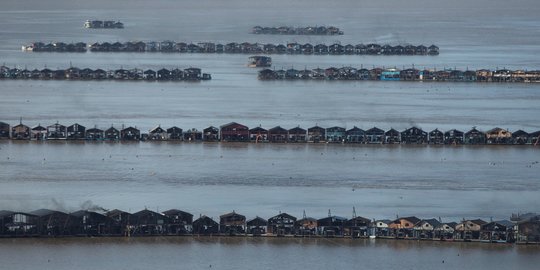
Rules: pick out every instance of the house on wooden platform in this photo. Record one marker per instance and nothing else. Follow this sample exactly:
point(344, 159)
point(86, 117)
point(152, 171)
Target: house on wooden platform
point(498, 136)
point(336, 134)
point(474, 136)
point(180, 222)
point(355, 135)
point(380, 228)
point(501, 231)
point(95, 224)
point(56, 132)
point(528, 228)
point(130, 134)
point(256, 226)
point(306, 226)
point(282, 224)
point(54, 223)
point(39, 133)
point(112, 134)
point(375, 135)
point(234, 132)
point(414, 135)
point(436, 137)
point(123, 221)
point(205, 226)
point(403, 227)
point(357, 227)
point(331, 226)
point(95, 134)
point(193, 135)
point(392, 136)
point(232, 223)
point(521, 137)
point(535, 138)
point(211, 134)
point(146, 222)
point(297, 135)
point(157, 134)
point(17, 224)
point(469, 229)
point(453, 136)
point(76, 132)
point(20, 132)
point(316, 134)
point(5, 130)
point(445, 231)
point(425, 229)
point(174, 133)
point(277, 135)
point(258, 134)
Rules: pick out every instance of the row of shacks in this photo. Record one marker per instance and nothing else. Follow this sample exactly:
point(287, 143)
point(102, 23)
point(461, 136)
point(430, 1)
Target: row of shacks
point(45, 222)
point(287, 30)
point(74, 73)
point(394, 74)
point(235, 132)
point(233, 47)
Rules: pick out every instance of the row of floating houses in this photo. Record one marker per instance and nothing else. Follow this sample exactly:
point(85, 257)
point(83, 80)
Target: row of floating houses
point(235, 132)
point(409, 74)
point(50, 223)
point(103, 24)
point(287, 30)
point(74, 73)
point(233, 47)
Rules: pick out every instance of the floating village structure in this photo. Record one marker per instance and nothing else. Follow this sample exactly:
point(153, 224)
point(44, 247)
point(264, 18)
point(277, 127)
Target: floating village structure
point(521, 229)
point(287, 30)
point(103, 24)
point(235, 48)
point(260, 61)
point(236, 132)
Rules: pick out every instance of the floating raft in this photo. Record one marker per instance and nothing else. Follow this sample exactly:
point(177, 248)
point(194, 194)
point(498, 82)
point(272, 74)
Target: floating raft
point(233, 47)
point(287, 30)
point(393, 74)
point(74, 73)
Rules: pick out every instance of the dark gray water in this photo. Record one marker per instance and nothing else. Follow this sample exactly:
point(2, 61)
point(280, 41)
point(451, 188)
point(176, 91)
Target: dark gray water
point(380, 181)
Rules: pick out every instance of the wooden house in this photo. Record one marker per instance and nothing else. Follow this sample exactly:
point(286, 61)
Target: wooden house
point(320, 49)
point(425, 229)
point(501, 231)
point(498, 136)
point(445, 231)
point(403, 227)
point(436, 137)
point(180, 222)
point(316, 134)
point(375, 135)
point(520, 137)
point(355, 135)
point(56, 132)
point(535, 138)
point(357, 227)
point(414, 135)
point(331, 226)
point(163, 74)
point(232, 223)
point(474, 136)
point(211, 134)
point(76, 132)
point(277, 135)
point(17, 224)
point(94, 224)
point(54, 223)
point(282, 224)
point(380, 228)
point(205, 226)
point(528, 229)
point(392, 136)
point(5, 130)
point(39, 133)
point(297, 134)
point(130, 134)
point(453, 136)
point(157, 134)
point(256, 226)
point(335, 134)
point(149, 75)
point(94, 134)
point(306, 226)
point(484, 75)
point(174, 133)
point(193, 135)
point(469, 229)
point(112, 134)
point(258, 134)
point(123, 221)
point(234, 132)
point(146, 222)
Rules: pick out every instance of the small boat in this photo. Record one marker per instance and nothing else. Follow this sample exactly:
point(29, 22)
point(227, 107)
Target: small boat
point(260, 61)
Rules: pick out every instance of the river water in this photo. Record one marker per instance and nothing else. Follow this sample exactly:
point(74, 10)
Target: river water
point(263, 179)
